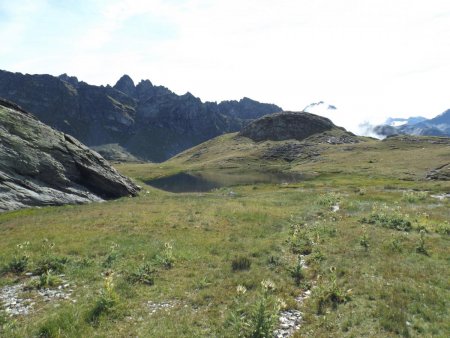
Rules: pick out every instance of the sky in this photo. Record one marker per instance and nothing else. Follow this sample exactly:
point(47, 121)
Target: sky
point(370, 58)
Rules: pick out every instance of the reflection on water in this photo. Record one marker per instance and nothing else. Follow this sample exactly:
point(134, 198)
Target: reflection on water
point(207, 181)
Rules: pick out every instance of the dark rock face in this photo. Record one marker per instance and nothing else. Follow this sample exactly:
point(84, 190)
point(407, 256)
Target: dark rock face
point(41, 166)
point(126, 86)
point(247, 109)
point(441, 173)
point(149, 122)
point(286, 126)
point(386, 130)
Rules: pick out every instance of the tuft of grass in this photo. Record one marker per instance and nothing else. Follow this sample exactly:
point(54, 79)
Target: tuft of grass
point(20, 261)
point(144, 274)
point(299, 240)
point(329, 294)
point(66, 322)
point(18, 264)
point(51, 263)
point(364, 241)
point(241, 263)
point(112, 255)
point(421, 247)
point(166, 258)
point(256, 319)
point(105, 303)
point(329, 199)
point(393, 221)
point(48, 279)
point(297, 272)
point(414, 196)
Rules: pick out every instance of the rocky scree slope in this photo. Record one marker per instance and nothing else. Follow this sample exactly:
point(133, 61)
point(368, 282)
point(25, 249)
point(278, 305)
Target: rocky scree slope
point(41, 166)
point(147, 121)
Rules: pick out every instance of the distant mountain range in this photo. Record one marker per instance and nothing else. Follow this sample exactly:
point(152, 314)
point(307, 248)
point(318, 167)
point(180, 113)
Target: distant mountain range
point(128, 121)
point(437, 126)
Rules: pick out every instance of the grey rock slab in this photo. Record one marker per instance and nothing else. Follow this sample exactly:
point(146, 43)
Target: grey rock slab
point(40, 166)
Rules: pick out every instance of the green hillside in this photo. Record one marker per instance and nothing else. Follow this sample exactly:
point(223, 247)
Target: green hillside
point(360, 246)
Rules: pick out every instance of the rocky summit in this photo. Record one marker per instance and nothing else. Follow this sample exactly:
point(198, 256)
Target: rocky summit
point(129, 120)
point(40, 166)
point(286, 126)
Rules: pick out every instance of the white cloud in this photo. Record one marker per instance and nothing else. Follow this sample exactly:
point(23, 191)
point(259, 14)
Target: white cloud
point(370, 58)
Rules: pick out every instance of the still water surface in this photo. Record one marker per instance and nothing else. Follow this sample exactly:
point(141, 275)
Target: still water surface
point(207, 181)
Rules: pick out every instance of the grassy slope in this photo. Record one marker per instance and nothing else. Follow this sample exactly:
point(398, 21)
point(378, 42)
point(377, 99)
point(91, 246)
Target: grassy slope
point(392, 289)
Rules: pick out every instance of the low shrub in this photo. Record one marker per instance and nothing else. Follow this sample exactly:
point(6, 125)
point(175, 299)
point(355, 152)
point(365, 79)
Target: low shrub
point(166, 258)
point(20, 260)
point(45, 280)
point(300, 242)
point(51, 263)
point(18, 264)
point(388, 218)
point(414, 196)
point(258, 319)
point(330, 294)
point(443, 228)
point(329, 199)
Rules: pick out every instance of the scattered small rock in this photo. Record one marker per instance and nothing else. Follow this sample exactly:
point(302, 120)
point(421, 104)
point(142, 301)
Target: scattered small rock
point(440, 197)
point(289, 322)
point(155, 307)
point(14, 305)
point(335, 208)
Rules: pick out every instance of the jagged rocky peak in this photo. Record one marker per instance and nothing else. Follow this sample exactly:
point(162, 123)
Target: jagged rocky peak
point(145, 89)
point(285, 126)
point(126, 85)
point(190, 97)
point(247, 109)
point(40, 166)
point(148, 121)
point(73, 80)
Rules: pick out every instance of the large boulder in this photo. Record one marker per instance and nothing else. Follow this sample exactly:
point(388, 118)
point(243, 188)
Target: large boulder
point(41, 166)
point(441, 173)
point(286, 126)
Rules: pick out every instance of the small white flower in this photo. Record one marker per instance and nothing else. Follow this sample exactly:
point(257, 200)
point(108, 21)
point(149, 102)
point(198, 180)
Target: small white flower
point(241, 289)
point(281, 303)
point(268, 285)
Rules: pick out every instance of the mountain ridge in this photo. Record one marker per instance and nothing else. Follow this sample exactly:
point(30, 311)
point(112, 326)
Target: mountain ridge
point(419, 126)
point(150, 122)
